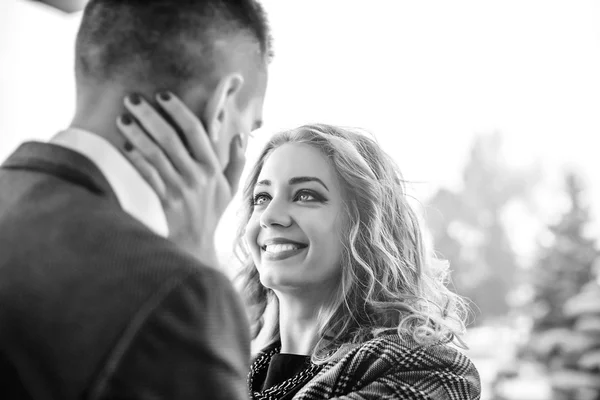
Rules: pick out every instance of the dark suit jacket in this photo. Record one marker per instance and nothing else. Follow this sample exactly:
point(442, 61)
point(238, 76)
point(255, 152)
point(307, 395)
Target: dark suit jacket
point(93, 305)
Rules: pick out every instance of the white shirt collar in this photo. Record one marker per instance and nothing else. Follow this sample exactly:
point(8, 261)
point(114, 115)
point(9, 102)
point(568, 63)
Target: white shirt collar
point(135, 195)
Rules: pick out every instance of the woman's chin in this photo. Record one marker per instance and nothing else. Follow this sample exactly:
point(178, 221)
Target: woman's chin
point(280, 283)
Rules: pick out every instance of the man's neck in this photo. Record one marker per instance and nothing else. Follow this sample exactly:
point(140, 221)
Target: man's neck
point(100, 117)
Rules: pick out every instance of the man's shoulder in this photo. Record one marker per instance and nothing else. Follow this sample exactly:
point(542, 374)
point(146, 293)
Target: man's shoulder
point(129, 237)
point(88, 281)
point(133, 245)
point(100, 247)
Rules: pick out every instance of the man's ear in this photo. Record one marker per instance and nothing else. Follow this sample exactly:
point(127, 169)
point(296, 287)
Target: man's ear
point(219, 104)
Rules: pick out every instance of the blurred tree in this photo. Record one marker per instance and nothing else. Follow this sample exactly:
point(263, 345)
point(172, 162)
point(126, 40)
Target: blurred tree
point(468, 227)
point(564, 266)
point(566, 303)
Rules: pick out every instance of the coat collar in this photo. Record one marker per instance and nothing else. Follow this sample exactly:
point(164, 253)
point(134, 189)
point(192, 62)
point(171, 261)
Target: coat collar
point(63, 163)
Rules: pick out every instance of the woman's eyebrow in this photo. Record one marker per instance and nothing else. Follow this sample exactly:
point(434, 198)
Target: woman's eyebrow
point(264, 182)
point(301, 179)
point(294, 181)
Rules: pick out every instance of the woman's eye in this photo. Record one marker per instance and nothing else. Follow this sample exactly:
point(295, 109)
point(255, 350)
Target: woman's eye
point(259, 199)
point(307, 196)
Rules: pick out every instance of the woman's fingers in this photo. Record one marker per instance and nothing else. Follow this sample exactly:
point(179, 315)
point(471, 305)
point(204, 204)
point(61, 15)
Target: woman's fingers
point(192, 129)
point(151, 152)
point(162, 132)
point(147, 172)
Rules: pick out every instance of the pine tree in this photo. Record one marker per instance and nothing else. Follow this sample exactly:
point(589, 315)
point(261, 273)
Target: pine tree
point(567, 300)
point(566, 265)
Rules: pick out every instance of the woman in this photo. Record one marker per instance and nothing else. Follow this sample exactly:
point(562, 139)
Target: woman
point(329, 240)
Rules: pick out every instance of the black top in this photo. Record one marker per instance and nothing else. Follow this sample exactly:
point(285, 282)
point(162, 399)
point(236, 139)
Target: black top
point(283, 367)
point(279, 376)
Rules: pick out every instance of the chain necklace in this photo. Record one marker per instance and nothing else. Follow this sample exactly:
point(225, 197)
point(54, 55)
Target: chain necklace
point(276, 392)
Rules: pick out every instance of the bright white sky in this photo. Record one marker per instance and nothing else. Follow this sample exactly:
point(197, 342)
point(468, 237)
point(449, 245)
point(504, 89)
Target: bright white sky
point(424, 76)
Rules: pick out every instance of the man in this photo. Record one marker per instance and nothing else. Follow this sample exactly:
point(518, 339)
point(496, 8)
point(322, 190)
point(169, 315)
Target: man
point(95, 301)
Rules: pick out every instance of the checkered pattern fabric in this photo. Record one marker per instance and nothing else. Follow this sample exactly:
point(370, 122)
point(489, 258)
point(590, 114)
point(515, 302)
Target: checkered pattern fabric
point(394, 367)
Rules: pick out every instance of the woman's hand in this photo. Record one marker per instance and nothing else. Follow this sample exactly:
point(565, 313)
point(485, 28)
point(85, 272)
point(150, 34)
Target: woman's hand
point(192, 186)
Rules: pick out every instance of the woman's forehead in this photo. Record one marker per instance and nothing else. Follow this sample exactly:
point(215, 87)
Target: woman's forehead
point(296, 159)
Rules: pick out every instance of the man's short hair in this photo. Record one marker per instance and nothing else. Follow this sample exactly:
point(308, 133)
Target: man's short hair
point(166, 43)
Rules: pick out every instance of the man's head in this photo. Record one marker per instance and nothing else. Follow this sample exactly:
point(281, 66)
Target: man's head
point(211, 53)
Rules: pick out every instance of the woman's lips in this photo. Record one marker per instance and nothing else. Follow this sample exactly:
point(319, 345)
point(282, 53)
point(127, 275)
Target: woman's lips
point(281, 255)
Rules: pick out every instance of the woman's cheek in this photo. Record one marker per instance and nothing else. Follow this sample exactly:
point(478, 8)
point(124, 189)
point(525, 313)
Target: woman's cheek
point(251, 235)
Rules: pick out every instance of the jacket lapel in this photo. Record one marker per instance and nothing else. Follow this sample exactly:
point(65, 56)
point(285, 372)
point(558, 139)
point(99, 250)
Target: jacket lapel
point(61, 162)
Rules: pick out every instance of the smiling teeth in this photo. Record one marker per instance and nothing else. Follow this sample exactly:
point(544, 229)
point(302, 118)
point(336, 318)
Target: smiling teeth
point(278, 248)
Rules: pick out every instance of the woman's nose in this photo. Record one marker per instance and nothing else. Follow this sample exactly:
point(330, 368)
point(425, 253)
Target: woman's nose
point(276, 214)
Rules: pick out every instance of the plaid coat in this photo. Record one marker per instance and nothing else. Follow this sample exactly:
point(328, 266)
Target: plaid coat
point(394, 367)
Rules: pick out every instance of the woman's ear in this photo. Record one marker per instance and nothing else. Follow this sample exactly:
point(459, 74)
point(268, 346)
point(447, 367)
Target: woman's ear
point(219, 104)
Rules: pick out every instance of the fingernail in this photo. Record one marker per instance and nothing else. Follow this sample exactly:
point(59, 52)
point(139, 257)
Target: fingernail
point(164, 96)
point(135, 99)
point(128, 146)
point(240, 143)
point(126, 119)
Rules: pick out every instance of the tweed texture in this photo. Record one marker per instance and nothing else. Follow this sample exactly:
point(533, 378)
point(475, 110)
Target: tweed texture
point(394, 367)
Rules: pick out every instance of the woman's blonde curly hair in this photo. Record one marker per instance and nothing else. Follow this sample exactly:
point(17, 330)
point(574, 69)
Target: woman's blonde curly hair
point(389, 282)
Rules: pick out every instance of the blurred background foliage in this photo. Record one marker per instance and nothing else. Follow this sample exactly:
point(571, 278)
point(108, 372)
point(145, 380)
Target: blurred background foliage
point(468, 228)
point(535, 328)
